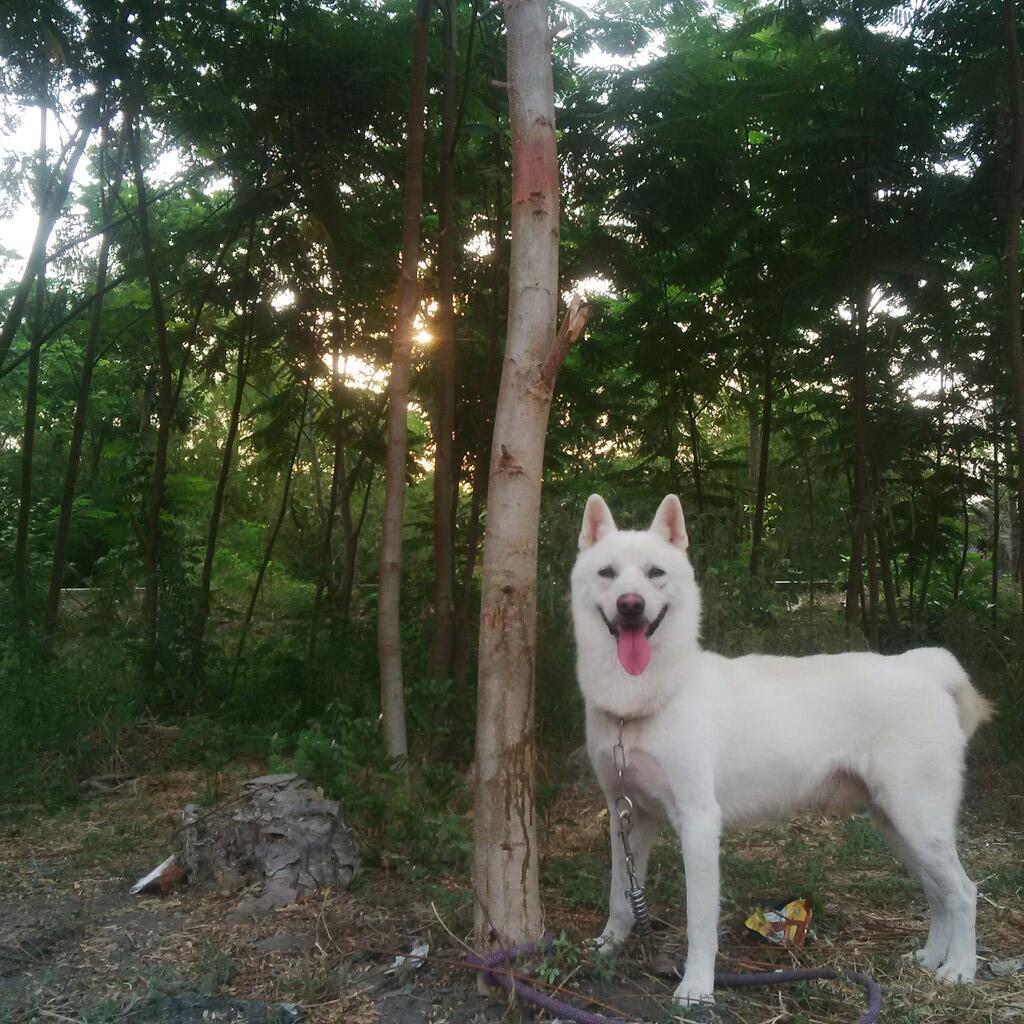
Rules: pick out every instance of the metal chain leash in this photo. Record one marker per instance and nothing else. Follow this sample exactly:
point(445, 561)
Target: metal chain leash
point(635, 894)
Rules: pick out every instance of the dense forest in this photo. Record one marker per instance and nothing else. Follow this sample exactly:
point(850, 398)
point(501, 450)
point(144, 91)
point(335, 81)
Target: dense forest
point(797, 225)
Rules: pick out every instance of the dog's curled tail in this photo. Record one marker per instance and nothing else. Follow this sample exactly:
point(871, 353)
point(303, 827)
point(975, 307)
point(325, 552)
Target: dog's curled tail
point(972, 709)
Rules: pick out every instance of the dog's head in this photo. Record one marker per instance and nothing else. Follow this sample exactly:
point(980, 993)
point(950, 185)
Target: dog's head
point(635, 602)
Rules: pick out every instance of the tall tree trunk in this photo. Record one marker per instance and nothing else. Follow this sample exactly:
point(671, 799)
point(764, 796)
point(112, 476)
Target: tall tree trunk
point(50, 210)
point(1013, 510)
point(753, 442)
point(339, 468)
point(440, 660)
point(506, 858)
point(268, 549)
point(762, 468)
point(926, 576)
point(67, 503)
point(861, 498)
point(812, 539)
point(28, 440)
point(1011, 252)
point(698, 467)
point(165, 411)
point(958, 577)
point(345, 480)
point(884, 555)
point(245, 347)
point(389, 632)
point(871, 552)
point(996, 538)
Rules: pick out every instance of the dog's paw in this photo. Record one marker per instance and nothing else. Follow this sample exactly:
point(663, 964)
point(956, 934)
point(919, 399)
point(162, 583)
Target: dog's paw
point(694, 992)
point(928, 959)
point(953, 973)
point(607, 945)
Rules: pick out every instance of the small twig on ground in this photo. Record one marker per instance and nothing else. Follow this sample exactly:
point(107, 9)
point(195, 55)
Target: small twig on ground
point(57, 1016)
point(451, 934)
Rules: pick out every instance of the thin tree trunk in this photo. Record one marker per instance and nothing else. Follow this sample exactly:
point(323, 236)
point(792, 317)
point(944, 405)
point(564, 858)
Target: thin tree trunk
point(872, 609)
point(1013, 509)
point(506, 858)
point(813, 538)
point(389, 633)
point(350, 549)
point(440, 659)
point(165, 411)
point(460, 656)
point(31, 402)
point(753, 443)
point(245, 348)
point(78, 428)
point(1011, 251)
point(50, 210)
point(345, 478)
point(925, 581)
point(762, 469)
point(327, 579)
point(268, 549)
point(958, 578)
point(341, 489)
point(912, 554)
point(996, 538)
point(884, 555)
point(698, 468)
point(861, 499)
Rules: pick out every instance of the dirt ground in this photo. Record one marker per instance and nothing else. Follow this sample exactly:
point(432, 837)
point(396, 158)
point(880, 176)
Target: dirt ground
point(75, 947)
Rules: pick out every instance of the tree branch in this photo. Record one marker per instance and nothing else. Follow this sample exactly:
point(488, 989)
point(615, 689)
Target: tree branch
point(574, 324)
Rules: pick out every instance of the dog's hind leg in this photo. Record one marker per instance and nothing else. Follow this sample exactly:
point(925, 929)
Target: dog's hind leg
point(643, 831)
point(936, 947)
point(923, 834)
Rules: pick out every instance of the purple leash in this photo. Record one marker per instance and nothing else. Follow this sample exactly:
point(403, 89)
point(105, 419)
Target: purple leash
point(872, 989)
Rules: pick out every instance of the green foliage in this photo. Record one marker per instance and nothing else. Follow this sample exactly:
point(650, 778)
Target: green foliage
point(862, 844)
point(404, 820)
point(580, 880)
point(567, 958)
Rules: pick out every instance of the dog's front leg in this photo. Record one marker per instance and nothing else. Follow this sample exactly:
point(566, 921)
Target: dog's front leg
point(699, 830)
point(641, 838)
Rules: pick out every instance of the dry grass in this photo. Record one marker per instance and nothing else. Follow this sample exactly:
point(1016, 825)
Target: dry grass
point(75, 947)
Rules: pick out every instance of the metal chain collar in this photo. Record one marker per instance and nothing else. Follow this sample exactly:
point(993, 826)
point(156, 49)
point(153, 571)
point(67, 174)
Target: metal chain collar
point(635, 894)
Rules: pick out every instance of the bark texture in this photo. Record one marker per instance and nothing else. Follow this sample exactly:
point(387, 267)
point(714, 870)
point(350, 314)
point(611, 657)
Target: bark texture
point(389, 634)
point(280, 834)
point(505, 841)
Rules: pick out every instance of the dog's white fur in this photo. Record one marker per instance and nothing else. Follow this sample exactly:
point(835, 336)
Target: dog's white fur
point(712, 741)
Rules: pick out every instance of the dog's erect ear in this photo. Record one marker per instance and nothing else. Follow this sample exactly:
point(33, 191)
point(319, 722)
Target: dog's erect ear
point(597, 521)
point(669, 522)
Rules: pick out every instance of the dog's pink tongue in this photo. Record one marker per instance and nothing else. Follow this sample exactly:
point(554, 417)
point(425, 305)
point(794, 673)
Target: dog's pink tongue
point(634, 651)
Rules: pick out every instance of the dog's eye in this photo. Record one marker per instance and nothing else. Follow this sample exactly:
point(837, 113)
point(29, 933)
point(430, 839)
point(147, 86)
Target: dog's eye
point(654, 572)
point(607, 572)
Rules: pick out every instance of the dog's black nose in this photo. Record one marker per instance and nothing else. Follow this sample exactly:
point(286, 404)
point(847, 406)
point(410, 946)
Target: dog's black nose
point(631, 607)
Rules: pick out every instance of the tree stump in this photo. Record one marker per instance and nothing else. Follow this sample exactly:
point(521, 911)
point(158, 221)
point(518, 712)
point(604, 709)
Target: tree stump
point(281, 833)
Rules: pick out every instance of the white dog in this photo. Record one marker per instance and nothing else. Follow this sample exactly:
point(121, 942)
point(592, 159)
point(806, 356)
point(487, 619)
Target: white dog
point(712, 741)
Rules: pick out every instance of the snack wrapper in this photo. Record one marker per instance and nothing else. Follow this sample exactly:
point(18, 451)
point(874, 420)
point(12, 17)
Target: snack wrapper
point(786, 925)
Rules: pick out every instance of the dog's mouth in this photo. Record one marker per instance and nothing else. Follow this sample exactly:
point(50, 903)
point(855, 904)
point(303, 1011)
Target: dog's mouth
point(631, 640)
